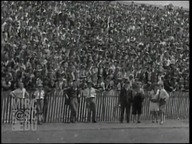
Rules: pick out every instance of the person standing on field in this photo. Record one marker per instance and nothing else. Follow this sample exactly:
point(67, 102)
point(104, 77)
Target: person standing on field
point(163, 97)
point(90, 94)
point(20, 94)
point(138, 98)
point(125, 99)
point(73, 94)
point(154, 105)
point(39, 95)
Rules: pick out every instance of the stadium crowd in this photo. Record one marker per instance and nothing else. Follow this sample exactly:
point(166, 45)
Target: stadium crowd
point(76, 41)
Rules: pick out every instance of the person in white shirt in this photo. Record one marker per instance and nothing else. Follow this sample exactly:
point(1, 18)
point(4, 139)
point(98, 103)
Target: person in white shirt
point(90, 94)
point(160, 79)
point(39, 95)
point(131, 79)
point(163, 98)
point(20, 92)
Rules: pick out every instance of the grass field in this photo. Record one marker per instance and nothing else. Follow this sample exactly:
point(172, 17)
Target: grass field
point(173, 131)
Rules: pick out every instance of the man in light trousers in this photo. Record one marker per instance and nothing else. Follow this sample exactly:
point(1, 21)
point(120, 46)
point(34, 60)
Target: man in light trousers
point(90, 95)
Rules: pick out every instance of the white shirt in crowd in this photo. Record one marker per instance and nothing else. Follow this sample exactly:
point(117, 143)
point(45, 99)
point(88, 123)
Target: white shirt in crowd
point(102, 84)
point(89, 92)
point(119, 86)
point(163, 94)
point(39, 94)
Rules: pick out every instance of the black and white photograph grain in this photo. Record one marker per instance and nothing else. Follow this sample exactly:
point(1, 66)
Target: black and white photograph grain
point(95, 72)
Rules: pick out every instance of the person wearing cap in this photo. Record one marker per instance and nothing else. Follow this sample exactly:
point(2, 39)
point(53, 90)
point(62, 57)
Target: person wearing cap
point(163, 97)
point(39, 95)
point(125, 99)
point(90, 94)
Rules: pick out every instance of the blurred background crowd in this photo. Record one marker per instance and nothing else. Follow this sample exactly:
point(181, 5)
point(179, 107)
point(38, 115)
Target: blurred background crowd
point(99, 41)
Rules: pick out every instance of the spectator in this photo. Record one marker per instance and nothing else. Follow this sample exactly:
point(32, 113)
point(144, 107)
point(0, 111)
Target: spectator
point(20, 92)
point(163, 98)
point(73, 95)
point(5, 84)
point(125, 100)
point(154, 106)
point(113, 35)
point(90, 95)
point(39, 95)
point(138, 97)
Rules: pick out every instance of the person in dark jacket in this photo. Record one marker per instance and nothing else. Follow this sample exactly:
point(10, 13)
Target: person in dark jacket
point(125, 99)
point(73, 94)
point(167, 84)
point(138, 97)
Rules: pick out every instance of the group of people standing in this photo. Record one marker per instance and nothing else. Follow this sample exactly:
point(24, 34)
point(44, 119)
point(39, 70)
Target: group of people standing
point(159, 97)
point(134, 96)
point(38, 95)
point(131, 95)
point(72, 97)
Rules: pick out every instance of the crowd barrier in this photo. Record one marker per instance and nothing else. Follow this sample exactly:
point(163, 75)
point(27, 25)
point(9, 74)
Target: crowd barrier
point(55, 110)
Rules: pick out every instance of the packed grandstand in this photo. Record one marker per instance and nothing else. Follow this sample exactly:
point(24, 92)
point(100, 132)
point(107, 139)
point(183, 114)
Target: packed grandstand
point(102, 41)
